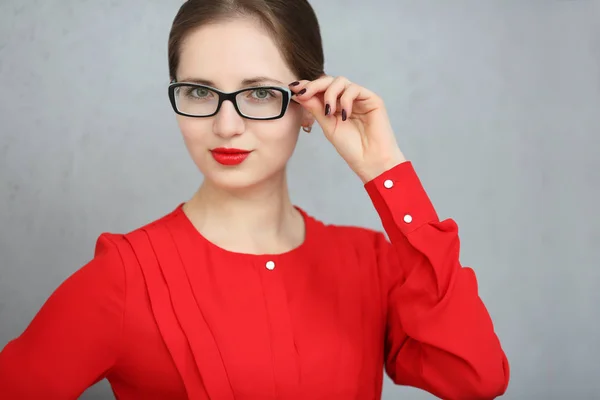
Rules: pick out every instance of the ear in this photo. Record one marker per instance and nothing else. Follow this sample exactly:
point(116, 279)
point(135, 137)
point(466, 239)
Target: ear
point(307, 118)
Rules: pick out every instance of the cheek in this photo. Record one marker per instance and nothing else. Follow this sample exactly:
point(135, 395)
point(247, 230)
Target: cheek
point(192, 128)
point(196, 136)
point(282, 143)
point(276, 145)
point(280, 136)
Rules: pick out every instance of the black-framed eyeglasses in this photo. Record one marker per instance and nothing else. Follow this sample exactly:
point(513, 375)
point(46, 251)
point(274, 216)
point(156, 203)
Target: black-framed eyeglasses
point(258, 102)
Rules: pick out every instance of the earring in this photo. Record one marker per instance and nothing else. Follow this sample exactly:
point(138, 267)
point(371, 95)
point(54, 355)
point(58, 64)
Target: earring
point(307, 128)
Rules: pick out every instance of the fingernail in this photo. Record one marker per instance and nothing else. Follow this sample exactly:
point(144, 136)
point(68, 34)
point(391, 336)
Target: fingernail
point(343, 115)
point(294, 83)
point(301, 92)
point(327, 109)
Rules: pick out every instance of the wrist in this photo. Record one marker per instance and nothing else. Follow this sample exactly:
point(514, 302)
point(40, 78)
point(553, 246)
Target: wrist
point(383, 165)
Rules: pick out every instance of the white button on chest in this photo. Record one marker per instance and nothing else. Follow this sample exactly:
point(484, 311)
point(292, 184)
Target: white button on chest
point(270, 265)
point(408, 218)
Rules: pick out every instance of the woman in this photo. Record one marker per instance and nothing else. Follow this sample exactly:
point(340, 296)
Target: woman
point(239, 294)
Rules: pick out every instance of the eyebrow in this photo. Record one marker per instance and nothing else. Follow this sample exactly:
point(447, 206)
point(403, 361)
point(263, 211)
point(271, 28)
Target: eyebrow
point(246, 82)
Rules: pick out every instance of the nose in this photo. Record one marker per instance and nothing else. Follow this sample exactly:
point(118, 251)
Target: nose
point(228, 123)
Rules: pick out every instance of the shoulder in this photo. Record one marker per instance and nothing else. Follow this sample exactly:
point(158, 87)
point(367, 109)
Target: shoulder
point(117, 250)
point(347, 235)
point(352, 233)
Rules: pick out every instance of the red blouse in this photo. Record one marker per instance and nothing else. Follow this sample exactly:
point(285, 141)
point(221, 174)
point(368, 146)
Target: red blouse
point(164, 314)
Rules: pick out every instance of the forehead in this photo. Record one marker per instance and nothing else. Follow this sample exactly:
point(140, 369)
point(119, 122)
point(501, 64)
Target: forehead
point(229, 52)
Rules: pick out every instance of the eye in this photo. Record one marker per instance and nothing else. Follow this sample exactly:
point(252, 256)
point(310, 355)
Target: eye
point(262, 93)
point(200, 92)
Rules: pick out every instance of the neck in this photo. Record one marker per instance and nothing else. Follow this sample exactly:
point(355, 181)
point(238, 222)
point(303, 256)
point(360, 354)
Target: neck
point(256, 219)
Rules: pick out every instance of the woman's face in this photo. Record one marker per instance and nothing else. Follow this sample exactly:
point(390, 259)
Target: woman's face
point(229, 56)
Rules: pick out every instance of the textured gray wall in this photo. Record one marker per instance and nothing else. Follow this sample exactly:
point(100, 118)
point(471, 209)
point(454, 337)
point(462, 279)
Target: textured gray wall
point(497, 103)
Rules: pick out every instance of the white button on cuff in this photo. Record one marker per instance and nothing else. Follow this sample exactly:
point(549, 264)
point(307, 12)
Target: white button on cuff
point(408, 218)
point(388, 183)
point(270, 265)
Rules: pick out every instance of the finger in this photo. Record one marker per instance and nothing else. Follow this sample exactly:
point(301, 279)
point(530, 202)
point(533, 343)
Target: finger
point(320, 85)
point(316, 107)
point(308, 89)
point(296, 87)
point(350, 94)
point(304, 93)
point(334, 91)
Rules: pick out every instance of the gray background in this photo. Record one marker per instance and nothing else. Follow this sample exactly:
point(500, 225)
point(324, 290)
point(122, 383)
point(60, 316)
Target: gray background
point(496, 102)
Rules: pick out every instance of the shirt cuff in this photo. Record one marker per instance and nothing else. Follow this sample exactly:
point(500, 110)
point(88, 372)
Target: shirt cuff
point(400, 199)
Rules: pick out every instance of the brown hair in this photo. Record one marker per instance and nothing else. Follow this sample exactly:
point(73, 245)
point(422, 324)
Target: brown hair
point(292, 24)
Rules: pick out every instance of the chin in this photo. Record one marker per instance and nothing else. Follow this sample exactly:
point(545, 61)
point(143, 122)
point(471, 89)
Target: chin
point(232, 182)
point(236, 178)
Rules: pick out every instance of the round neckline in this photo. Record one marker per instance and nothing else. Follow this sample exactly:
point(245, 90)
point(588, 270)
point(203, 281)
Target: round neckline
point(300, 249)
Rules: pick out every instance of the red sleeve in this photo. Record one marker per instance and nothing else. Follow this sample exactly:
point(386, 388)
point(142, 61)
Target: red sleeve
point(440, 337)
point(73, 340)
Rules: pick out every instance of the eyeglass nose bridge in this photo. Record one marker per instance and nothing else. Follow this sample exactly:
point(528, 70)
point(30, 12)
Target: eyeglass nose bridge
point(232, 97)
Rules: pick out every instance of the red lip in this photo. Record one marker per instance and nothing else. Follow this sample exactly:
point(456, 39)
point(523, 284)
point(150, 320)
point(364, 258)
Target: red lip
point(229, 156)
point(229, 150)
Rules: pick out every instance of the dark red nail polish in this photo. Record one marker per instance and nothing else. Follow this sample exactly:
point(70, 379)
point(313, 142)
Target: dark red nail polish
point(343, 115)
point(294, 83)
point(327, 109)
point(301, 92)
